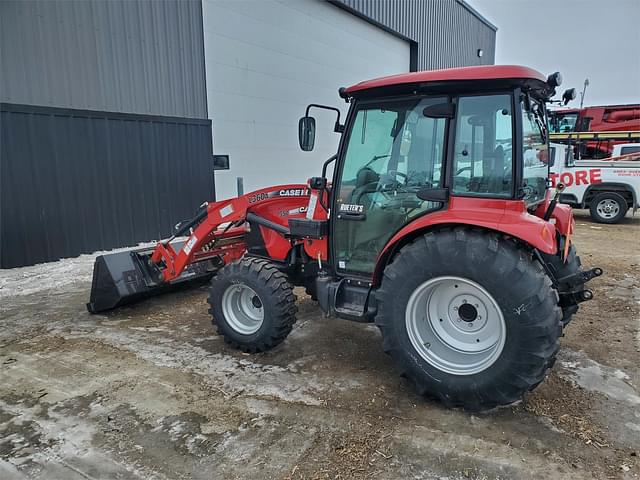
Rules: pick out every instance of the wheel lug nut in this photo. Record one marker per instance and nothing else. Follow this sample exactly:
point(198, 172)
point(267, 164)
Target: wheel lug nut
point(464, 301)
point(470, 324)
point(455, 308)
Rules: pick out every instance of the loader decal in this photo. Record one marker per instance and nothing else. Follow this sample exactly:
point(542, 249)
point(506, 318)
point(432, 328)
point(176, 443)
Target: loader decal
point(285, 192)
point(189, 245)
point(228, 210)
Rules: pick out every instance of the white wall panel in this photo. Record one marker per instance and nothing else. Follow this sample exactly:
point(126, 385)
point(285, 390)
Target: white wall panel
point(265, 61)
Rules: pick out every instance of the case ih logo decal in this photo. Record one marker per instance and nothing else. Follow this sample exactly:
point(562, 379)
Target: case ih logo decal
point(294, 192)
point(284, 192)
point(579, 177)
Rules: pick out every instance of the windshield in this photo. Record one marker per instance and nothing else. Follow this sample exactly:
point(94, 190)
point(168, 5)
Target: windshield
point(394, 141)
point(563, 123)
point(393, 152)
point(535, 152)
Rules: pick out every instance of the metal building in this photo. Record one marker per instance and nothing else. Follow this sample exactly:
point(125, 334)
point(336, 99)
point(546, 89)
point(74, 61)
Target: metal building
point(111, 110)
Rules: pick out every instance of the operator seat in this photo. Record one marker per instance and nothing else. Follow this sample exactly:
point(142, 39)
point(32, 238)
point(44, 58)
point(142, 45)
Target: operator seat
point(366, 182)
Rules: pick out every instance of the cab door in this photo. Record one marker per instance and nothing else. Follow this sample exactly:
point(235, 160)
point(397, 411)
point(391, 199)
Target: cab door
point(393, 151)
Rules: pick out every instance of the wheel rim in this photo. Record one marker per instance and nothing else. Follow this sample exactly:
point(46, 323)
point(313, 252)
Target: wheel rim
point(455, 325)
point(243, 309)
point(608, 208)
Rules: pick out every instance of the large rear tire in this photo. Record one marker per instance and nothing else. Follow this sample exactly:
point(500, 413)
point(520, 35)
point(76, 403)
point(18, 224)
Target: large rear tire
point(252, 304)
point(471, 318)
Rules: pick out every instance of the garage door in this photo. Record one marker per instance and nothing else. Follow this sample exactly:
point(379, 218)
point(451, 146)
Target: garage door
point(265, 61)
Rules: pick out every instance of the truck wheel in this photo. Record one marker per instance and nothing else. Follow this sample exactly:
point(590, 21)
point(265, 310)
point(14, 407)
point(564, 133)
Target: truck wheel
point(469, 317)
point(252, 304)
point(564, 269)
point(608, 207)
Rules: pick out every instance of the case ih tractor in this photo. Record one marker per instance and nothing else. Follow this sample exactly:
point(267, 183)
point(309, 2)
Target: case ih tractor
point(438, 225)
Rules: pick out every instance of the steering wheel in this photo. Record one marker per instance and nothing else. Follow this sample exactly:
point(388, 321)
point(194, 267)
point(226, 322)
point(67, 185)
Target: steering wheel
point(395, 173)
point(463, 169)
point(389, 181)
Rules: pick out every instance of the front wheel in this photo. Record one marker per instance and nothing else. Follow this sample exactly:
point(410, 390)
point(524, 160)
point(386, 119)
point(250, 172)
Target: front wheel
point(608, 207)
point(252, 304)
point(470, 317)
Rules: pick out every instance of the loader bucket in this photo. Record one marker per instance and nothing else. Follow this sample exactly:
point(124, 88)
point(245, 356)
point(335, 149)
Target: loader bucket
point(124, 277)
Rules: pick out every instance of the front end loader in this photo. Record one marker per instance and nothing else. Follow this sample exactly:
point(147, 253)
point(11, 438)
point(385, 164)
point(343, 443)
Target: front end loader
point(438, 225)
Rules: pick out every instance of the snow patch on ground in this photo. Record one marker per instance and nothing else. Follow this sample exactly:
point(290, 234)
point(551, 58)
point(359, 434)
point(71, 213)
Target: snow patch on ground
point(52, 275)
point(64, 444)
point(232, 376)
point(595, 377)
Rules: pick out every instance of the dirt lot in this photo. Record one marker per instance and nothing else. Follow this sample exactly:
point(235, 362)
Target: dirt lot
point(151, 392)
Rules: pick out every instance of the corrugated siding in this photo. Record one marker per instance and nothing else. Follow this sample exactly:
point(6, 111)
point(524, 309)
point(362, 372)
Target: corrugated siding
point(448, 32)
point(76, 181)
point(140, 56)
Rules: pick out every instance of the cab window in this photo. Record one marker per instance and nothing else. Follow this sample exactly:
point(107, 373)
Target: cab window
point(483, 156)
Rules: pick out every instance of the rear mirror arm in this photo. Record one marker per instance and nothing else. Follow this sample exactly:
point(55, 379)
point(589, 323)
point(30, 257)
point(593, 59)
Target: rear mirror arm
point(338, 127)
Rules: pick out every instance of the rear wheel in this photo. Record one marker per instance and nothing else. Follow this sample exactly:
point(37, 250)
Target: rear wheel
point(608, 207)
point(477, 325)
point(252, 304)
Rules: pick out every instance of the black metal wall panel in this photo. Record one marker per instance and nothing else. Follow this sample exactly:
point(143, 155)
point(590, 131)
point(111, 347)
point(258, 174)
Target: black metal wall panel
point(134, 56)
point(77, 181)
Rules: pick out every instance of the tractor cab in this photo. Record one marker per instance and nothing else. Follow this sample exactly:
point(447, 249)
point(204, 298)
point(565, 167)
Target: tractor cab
point(423, 145)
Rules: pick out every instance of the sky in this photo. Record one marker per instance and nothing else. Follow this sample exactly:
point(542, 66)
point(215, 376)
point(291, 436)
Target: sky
point(594, 39)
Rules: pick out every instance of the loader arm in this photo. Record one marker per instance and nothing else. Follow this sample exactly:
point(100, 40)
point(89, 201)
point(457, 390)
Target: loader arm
point(223, 220)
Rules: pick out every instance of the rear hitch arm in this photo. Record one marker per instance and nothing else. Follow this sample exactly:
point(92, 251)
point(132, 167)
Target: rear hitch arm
point(570, 287)
point(580, 277)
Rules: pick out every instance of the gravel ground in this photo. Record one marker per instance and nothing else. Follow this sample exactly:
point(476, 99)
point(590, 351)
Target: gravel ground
point(150, 391)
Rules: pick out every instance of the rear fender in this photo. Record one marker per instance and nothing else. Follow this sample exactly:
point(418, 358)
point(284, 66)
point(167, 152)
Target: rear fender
point(501, 216)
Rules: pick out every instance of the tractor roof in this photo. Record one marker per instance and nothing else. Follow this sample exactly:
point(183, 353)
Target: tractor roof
point(485, 72)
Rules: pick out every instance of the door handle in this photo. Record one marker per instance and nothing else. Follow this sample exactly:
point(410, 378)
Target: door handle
point(352, 216)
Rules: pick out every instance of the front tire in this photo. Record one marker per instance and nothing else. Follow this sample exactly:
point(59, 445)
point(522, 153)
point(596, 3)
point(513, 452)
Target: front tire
point(471, 318)
point(608, 207)
point(252, 304)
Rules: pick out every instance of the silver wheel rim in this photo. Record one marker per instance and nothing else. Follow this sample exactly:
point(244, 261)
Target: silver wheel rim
point(243, 309)
point(455, 325)
point(608, 208)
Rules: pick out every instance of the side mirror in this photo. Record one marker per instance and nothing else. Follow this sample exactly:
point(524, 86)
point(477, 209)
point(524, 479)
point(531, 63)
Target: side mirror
point(568, 95)
point(307, 133)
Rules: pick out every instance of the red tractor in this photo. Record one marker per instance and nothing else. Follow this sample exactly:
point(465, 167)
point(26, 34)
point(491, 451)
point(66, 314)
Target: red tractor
point(438, 226)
